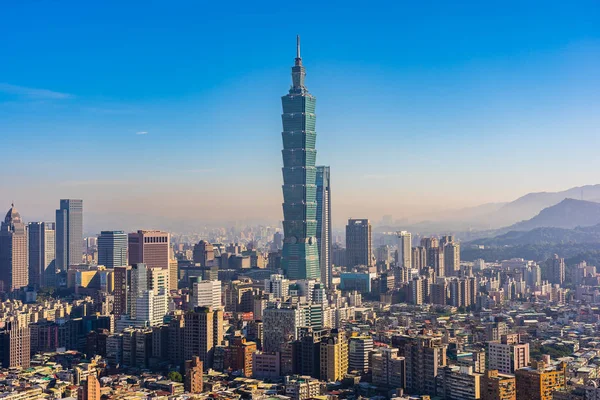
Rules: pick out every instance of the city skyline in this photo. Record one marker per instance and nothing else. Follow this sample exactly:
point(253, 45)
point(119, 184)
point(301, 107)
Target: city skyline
point(499, 102)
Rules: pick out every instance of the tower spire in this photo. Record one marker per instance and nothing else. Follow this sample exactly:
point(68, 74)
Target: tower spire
point(298, 58)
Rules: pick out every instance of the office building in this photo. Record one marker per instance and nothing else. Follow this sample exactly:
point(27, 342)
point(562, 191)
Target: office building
point(278, 285)
point(149, 247)
point(334, 356)
point(42, 260)
point(112, 249)
point(359, 351)
point(540, 380)
point(405, 249)
point(266, 365)
point(69, 234)
point(203, 331)
point(14, 271)
point(388, 369)
point(496, 386)
point(435, 260)
point(324, 231)
point(419, 257)
point(204, 253)
point(555, 270)
point(193, 376)
point(300, 256)
point(358, 242)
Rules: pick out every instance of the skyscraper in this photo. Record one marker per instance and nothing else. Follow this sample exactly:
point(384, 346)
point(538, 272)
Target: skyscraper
point(13, 252)
point(405, 249)
point(203, 331)
point(149, 247)
point(69, 233)
point(112, 249)
point(300, 257)
point(42, 262)
point(358, 242)
point(324, 223)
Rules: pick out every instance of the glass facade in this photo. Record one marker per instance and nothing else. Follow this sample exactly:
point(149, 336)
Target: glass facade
point(300, 257)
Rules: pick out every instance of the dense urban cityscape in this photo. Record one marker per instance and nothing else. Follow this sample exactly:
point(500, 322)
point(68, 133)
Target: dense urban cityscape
point(383, 309)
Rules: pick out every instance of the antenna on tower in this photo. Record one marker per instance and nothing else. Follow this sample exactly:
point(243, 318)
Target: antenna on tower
point(297, 46)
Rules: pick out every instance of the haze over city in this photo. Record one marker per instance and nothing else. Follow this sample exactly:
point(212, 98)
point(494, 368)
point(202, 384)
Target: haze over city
point(172, 112)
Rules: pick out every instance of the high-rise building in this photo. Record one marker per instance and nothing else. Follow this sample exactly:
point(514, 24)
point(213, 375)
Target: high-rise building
point(389, 370)
point(42, 263)
point(300, 257)
point(334, 356)
point(14, 273)
point(555, 270)
point(15, 342)
point(540, 380)
point(458, 382)
point(324, 231)
point(203, 331)
point(90, 390)
point(495, 386)
point(306, 352)
point(69, 234)
point(240, 358)
point(112, 249)
point(419, 257)
point(508, 355)
point(193, 376)
point(122, 278)
point(435, 260)
point(206, 294)
point(405, 249)
point(358, 242)
point(204, 253)
point(451, 258)
point(149, 247)
point(278, 285)
point(359, 351)
point(280, 325)
point(425, 356)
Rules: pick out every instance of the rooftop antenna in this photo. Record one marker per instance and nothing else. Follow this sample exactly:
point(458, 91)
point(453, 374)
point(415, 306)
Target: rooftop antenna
point(297, 46)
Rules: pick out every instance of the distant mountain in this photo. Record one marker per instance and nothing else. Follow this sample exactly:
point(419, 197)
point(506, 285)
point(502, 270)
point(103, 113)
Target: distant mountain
point(568, 214)
point(543, 236)
point(531, 204)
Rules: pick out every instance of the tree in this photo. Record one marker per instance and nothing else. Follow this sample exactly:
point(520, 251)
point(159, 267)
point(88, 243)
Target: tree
point(175, 376)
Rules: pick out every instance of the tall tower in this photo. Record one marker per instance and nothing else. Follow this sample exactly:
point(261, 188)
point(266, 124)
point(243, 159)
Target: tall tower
point(405, 249)
point(69, 234)
point(300, 257)
point(324, 223)
point(13, 252)
point(358, 242)
point(42, 264)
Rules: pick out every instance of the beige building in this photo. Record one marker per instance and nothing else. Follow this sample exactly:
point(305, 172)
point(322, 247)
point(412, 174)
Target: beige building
point(496, 386)
point(334, 357)
point(14, 270)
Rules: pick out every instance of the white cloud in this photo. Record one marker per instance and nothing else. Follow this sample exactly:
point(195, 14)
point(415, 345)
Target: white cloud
point(33, 93)
point(141, 133)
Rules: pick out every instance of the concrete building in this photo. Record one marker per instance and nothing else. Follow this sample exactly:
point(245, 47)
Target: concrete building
point(334, 357)
point(452, 258)
point(435, 260)
point(388, 369)
point(280, 325)
point(193, 376)
point(458, 383)
point(358, 243)
point(508, 355)
point(42, 260)
point(359, 352)
point(303, 387)
point(15, 342)
point(14, 271)
point(122, 278)
point(540, 380)
point(204, 253)
point(69, 234)
point(266, 365)
point(203, 331)
point(240, 355)
point(90, 390)
point(278, 285)
point(496, 386)
point(425, 356)
point(112, 249)
point(206, 294)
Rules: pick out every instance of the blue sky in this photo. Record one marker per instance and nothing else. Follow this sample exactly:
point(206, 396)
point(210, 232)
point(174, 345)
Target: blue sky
point(421, 105)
